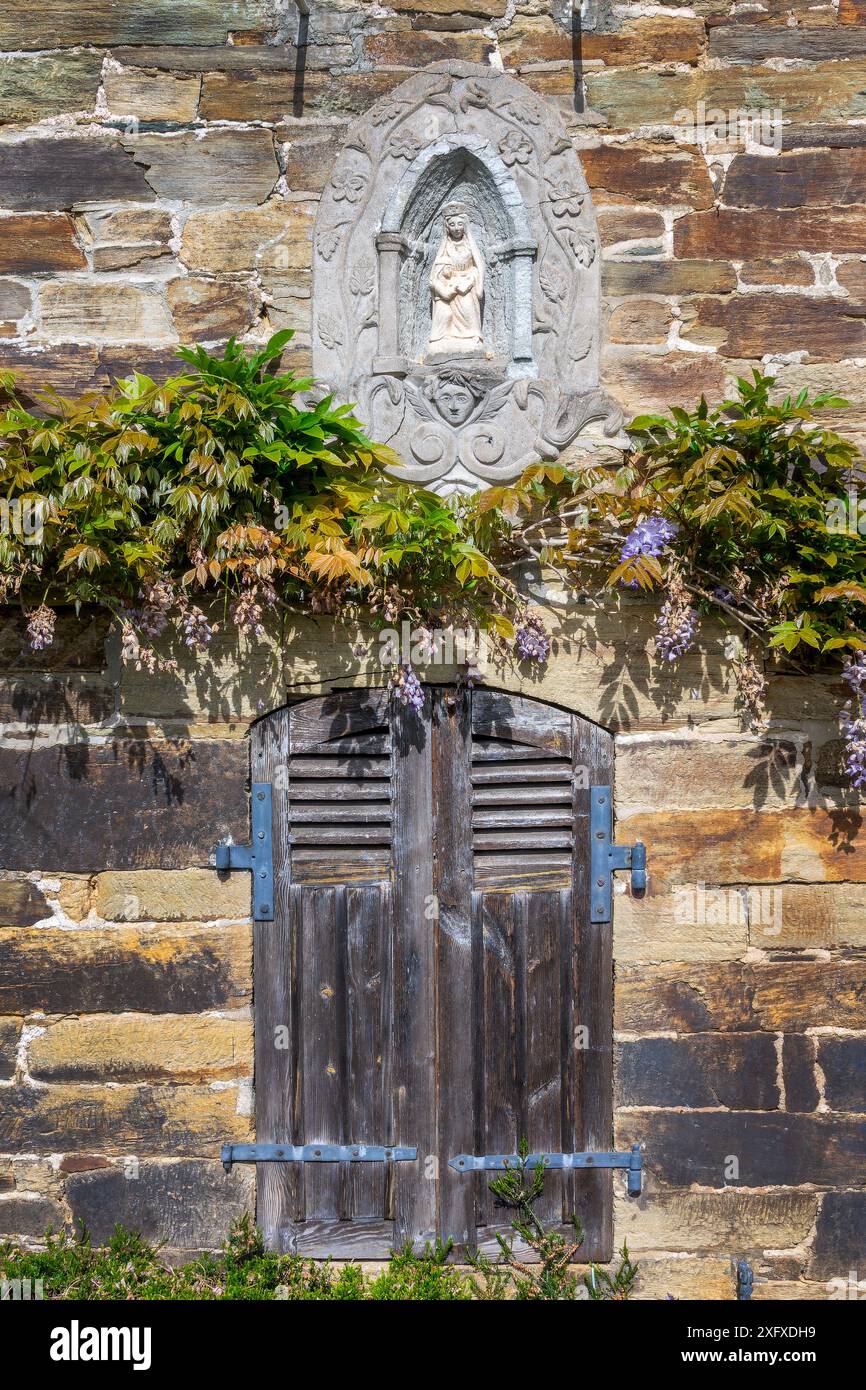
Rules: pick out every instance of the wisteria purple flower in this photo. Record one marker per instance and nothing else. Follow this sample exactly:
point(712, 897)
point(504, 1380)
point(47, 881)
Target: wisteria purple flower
point(532, 641)
point(852, 721)
point(40, 627)
point(407, 687)
point(197, 631)
point(649, 537)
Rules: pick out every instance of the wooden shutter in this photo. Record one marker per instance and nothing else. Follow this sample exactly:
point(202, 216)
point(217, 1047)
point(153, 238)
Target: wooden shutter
point(434, 957)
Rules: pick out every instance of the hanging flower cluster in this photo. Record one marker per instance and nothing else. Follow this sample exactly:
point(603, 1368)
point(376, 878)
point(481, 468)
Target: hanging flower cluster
point(677, 622)
point(852, 721)
point(407, 687)
point(531, 641)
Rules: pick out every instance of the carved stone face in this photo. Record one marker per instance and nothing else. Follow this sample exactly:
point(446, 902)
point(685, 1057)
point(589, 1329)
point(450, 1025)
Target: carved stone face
point(454, 401)
point(455, 225)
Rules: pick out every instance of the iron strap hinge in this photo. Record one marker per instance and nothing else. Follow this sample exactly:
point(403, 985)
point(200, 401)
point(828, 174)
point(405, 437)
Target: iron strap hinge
point(606, 857)
point(258, 856)
point(482, 1163)
point(315, 1153)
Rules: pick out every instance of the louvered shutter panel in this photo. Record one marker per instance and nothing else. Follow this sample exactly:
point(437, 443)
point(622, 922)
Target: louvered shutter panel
point(434, 953)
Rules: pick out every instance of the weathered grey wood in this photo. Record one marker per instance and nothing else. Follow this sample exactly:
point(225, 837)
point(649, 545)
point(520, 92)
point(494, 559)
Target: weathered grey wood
point(346, 1240)
point(359, 788)
point(526, 839)
point(552, 795)
point(414, 1035)
point(337, 717)
point(324, 1069)
point(446, 964)
point(333, 767)
point(593, 1009)
point(452, 884)
point(515, 774)
point(368, 1016)
point(503, 1032)
point(277, 1184)
point(521, 720)
point(342, 864)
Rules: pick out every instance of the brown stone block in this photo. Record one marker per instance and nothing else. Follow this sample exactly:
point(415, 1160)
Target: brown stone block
point(756, 43)
point(42, 701)
point(798, 1071)
point(15, 305)
point(10, 1032)
point(45, 173)
point(805, 179)
point(486, 9)
point(138, 1120)
point(50, 85)
point(790, 271)
point(185, 1205)
point(234, 240)
point(640, 321)
point(774, 996)
point(23, 1218)
point(667, 277)
point(142, 1047)
point(665, 174)
point(826, 92)
point(730, 846)
point(56, 23)
point(739, 234)
point(207, 311)
point(840, 1239)
point(629, 224)
point(772, 1150)
point(182, 895)
point(755, 324)
point(310, 151)
point(711, 773)
point(641, 382)
point(655, 39)
point(39, 242)
point(89, 311)
point(222, 166)
point(685, 1279)
point(158, 970)
point(843, 1063)
point(414, 48)
point(151, 96)
point(128, 804)
point(822, 915)
point(732, 1222)
point(734, 1070)
point(79, 642)
point(21, 903)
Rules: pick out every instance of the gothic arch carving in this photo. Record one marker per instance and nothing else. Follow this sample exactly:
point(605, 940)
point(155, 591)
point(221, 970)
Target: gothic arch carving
point(463, 168)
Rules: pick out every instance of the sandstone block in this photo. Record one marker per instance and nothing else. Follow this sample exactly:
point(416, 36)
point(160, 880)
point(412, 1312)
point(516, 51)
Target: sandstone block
point(727, 1221)
point(221, 166)
point(640, 321)
point(88, 311)
point(137, 1120)
point(189, 1204)
point(734, 1070)
point(151, 96)
point(164, 969)
point(206, 311)
point(648, 174)
point(142, 1047)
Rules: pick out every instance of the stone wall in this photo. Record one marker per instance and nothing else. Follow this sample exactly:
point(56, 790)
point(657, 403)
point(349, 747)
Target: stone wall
point(161, 164)
point(160, 168)
point(125, 964)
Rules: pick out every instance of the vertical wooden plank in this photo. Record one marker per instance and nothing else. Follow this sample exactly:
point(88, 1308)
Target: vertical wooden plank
point(543, 1040)
point(367, 984)
point(452, 885)
point(593, 1010)
point(414, 957)
point(277, 1184)
point(503, 1032)
point(323, 1035)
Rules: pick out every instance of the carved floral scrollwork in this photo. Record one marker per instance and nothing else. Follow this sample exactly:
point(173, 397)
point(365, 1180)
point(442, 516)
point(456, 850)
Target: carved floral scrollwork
point(477, 403)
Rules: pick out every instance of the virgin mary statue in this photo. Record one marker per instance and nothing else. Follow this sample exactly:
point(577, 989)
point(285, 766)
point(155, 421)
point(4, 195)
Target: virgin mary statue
point(457, 287)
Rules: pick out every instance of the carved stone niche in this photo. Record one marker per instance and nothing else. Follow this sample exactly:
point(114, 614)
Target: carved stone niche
point(456, 279)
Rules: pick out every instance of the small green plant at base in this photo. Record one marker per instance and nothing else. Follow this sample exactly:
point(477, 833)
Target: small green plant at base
point(552, 1275)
